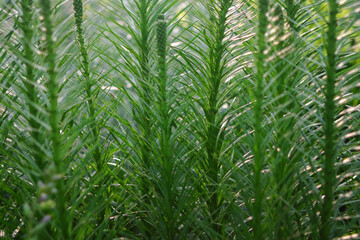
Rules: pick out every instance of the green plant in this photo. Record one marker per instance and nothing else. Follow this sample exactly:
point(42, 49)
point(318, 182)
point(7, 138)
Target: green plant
point(258, 112)
point(186, 119)
point(329, 121)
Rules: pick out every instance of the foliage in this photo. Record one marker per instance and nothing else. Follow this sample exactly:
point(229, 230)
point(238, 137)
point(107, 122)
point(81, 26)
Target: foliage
point(176, 119)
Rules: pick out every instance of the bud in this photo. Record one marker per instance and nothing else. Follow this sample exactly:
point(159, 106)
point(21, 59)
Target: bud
point(43, 197)
point(46, 219)
point(47, 205)
point(161, 34)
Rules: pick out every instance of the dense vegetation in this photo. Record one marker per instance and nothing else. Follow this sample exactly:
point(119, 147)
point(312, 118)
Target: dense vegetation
point(175, 119)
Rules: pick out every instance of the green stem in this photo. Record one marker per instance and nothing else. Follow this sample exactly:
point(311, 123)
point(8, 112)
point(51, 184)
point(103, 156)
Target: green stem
point(280, 161)
point(258, 108)
point(213, 141)
point(28, 53)
point(79, 12)
point(327, 211)
point(144, 86)
point(165, 148)
point(52, 109)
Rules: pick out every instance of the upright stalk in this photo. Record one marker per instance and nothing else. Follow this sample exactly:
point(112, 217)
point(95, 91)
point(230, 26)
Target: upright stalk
point(30, 82)
point(88, 83)
point(283, 156)
point(56, 163)
point(78, 8)
point(51, 84)
point(326, 229)
point(141, 75)
point(32, 100)
point(144, 119)
point(258, 149)
point(165, 126)
point(214, 140)
point(145, 82)
point(144, 48)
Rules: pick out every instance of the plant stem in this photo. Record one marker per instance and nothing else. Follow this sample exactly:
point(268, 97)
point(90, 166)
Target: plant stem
point(165, 126)
point(214, 140)
point(145, 82)
point(258, 111)
point(28, 32)
point(79, 13)
point(327, 211)
point(52, 109)
point(78, 8)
